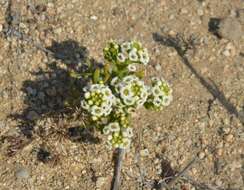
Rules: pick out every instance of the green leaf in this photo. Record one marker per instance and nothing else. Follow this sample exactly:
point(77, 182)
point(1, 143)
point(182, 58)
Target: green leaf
point(74, 74)
point(140, 74)
point(96, 75)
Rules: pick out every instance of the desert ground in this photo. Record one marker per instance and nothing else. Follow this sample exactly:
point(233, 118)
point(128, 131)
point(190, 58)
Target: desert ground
point(197, 45)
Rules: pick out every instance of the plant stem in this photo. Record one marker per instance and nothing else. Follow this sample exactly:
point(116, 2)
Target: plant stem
point(117, 170)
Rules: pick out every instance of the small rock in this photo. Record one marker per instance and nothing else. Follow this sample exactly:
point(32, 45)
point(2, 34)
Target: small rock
point(226, 53)
point(183, 11)
point(50, 5)
point(229, 50)
point(172, 33)
point(32, 115)
point(219, 151)
point(58, 31)
point(226, 130)
point(230, 28)
point(171, 17)
point(194, 171)
point(156, 161)
point(201, 155)
point(93, 17)
point(158, 67)
point(200, 12)
point(100, 181)
point(229, 138)
point(144, 152)
point(22, 173)
point(1, 27)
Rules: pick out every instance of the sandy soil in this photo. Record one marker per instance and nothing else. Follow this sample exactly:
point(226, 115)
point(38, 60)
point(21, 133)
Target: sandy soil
point(41, 144)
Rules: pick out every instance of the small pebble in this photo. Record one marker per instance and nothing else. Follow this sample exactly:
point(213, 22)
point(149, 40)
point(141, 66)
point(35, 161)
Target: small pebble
point(158, 67)
point(229, 138)
point(144, 152)
point(219, 151)
point(93, 17)
point(229, 50)
point(22, 173)
point(194, 171)
point(172, 33)
point(201, 155)
point(200, 12)
point(183, 11)
point(226, 130)
point(1, 27)
point(171, 17)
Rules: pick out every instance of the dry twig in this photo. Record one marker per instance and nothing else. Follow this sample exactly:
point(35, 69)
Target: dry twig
point(117, 171)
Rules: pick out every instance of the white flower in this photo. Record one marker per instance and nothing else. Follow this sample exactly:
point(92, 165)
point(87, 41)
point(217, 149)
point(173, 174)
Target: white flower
point(127, 132)
point(129, 78)
point(129, 101)
point(98, 100)
point(114, 81)
point(133, 55)
point(121, 57)
point(126, 143)
point(106, 130)
point(144, 57)
point(94, 118)
point(114, 127)
point(132, 68)
point(125, 46)
point(167, 100)
point(160, 93)
point(157, 102)
point(132, 91)
point(156, 91)
point(84, 105)
point(125, 92)
point(96, 111)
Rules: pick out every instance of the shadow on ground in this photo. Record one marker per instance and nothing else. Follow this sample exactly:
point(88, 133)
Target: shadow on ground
point(56, 94)
point(182, 45)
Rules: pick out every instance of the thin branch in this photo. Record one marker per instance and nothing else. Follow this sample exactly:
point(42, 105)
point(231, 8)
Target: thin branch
point(117, 171)
point(179, 175)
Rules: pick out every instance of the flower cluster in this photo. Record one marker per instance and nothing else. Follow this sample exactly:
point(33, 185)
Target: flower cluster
point(118, 90)
point(118, 137)
point(127, 54)
point(160, 94)
point(98, 100)
point(132, 91)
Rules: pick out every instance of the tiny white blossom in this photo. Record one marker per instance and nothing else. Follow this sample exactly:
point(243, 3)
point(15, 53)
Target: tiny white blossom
point(132, 68)
point(114, 126)
point(133, 55)
point(114, 81)
point(121, 57)
point(125, 47)
point(106, 130)
point(144, 57)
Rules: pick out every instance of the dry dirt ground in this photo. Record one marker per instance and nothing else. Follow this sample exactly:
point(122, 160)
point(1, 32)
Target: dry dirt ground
point(41, 144)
